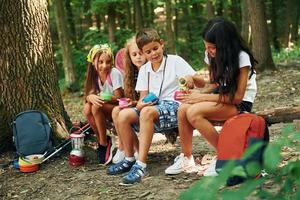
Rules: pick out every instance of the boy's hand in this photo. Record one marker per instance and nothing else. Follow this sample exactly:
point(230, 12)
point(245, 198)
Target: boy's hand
point(140, 105)
point(95, 100)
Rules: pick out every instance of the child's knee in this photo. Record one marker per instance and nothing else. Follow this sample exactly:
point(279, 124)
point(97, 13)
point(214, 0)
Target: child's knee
point(182, 110)
point(87, 109)
point(115, 113)
point(126, 116)
point(148, 113)
point(95, 109)
point(193, 115)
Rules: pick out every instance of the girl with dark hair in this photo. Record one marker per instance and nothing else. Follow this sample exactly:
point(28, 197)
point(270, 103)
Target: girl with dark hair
point(233, 89)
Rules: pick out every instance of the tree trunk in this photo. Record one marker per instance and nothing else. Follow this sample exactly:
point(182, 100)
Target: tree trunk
point(283, 114)
point(245, 22)
point(210, 10)
point(176, 11)
point(70, 19)
point(288, 22)
point(111, 22)
point(28, 75)
point(219, 7)
point(138, 15)
point(260, 44)
point(171, 47)
point(64, 38)
point(128, 15)
point(146, 13)
point(235, 13)
point(275, 40)
point(295, 20)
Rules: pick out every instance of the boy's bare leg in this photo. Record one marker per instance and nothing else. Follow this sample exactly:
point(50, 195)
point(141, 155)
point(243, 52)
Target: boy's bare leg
point(148, 116)
point(127, 135)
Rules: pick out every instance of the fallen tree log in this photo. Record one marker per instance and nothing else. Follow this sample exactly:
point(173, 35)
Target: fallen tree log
point(280, 114)
point(272, 116)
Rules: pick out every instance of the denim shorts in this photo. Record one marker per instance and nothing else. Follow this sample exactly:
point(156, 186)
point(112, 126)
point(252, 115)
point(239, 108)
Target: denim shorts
point(167, 110)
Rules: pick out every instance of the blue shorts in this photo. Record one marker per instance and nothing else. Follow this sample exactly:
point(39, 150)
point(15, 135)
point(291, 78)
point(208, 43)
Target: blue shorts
point(167, 110)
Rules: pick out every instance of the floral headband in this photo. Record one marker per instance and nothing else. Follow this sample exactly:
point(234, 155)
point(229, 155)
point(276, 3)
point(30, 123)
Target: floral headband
point(99, 48)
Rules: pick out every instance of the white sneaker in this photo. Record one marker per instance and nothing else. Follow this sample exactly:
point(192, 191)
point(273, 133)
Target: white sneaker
point(181, 164)
point(211, 170)
point(119, 156)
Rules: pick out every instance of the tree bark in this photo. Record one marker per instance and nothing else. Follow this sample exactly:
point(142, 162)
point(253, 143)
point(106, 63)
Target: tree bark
point(111, 22)
point(210, 10)
point(283, 114)
point(288, 22)
point(64, 38)
point(275, 40)
point(70, 19)
point(128, 15)
point(169, 28)
point(260, 44)
point(138, 16)
point(28, 75)
point(295, 20)
point(245, 32)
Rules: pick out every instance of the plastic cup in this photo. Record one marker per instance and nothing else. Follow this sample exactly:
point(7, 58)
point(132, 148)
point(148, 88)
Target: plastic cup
point(151, 97)
point(123, 102)
point(179, 92)
point(105, 96)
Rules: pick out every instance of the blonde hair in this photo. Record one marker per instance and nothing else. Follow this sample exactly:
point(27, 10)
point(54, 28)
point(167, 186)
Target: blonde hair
point(91, 81)
point(130, 71)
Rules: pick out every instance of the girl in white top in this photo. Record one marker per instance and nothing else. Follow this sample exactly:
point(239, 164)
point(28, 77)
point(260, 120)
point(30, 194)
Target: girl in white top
point(233, 89)
point(100, 78)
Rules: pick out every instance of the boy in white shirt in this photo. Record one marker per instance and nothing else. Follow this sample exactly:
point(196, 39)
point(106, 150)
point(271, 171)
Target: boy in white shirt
point(159, 76)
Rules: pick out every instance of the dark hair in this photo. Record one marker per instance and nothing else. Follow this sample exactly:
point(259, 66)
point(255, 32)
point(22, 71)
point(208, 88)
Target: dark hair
point(145, 36)
point(224, 67)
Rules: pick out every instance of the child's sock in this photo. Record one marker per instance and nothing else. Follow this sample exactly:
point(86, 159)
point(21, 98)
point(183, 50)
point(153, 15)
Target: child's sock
point(140, 163)
point(131, 159)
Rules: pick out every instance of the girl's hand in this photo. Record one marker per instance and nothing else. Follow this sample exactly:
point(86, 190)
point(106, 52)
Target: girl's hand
point(192, 98)
point(95, 100)
point(189, 82)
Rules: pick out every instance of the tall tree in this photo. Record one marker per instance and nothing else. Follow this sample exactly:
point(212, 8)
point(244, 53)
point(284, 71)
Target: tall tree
point(28, 76)
point(260, 44)
point(111, 22)
point(64, 38)
point(288, 23)
point(274, 19)
point(169, 28)
point(138, 16)
point(128, 15)
point(70, 19)
point(245, 32)
point(210, 10)
point(295, 20)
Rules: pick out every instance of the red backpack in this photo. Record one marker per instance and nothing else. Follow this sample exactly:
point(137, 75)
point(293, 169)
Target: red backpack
point(237, 135)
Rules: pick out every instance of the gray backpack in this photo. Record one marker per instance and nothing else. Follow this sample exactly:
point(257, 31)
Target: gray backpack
point(32, 133)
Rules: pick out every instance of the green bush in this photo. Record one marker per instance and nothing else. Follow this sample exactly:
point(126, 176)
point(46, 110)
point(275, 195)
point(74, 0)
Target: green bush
point(284, 180)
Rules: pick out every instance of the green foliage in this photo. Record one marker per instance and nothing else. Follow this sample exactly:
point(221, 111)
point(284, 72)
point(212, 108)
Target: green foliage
point(284, 179)
point(287, 55)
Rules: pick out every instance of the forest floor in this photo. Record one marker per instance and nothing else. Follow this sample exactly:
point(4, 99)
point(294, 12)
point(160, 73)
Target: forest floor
point(57, 180)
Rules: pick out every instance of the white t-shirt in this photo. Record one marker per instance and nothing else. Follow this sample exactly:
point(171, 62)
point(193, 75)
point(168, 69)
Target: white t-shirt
point(116, 82)
point(176, 67)
point(244, 61)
